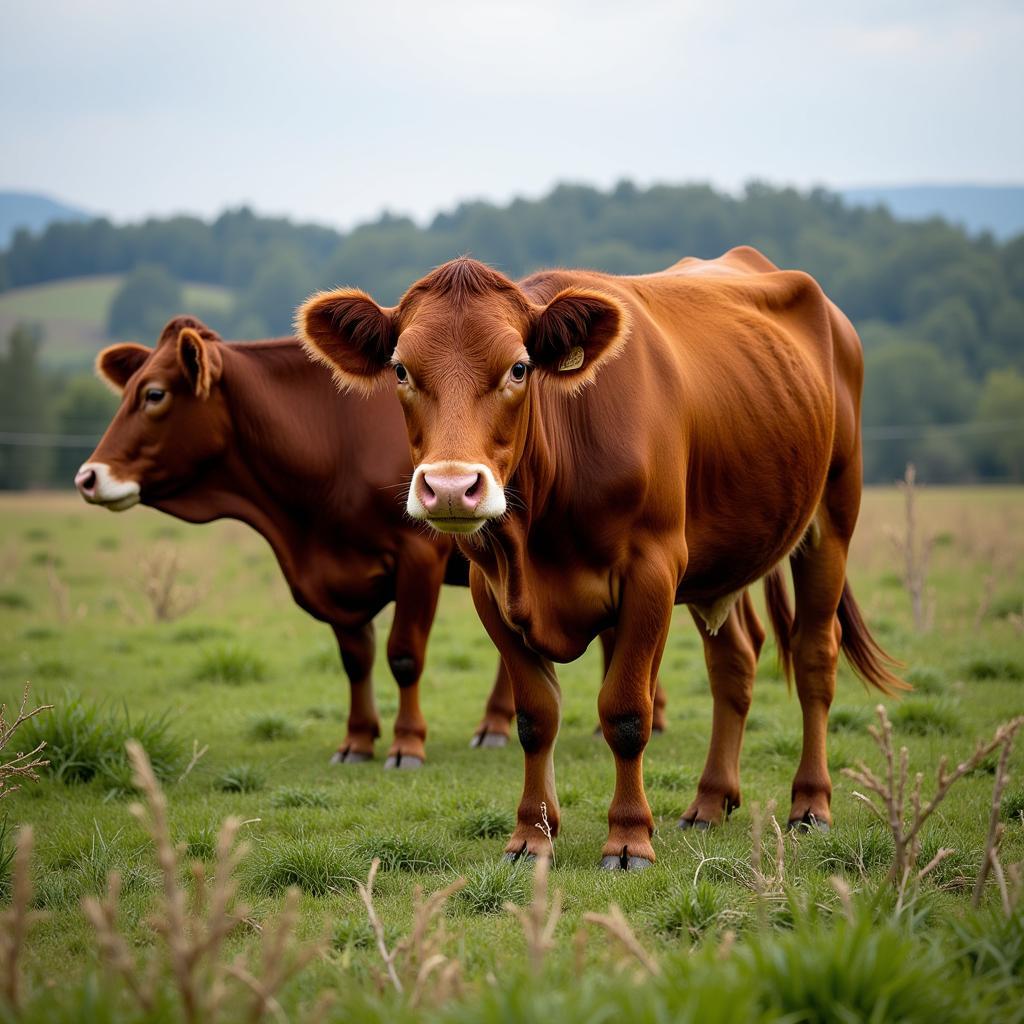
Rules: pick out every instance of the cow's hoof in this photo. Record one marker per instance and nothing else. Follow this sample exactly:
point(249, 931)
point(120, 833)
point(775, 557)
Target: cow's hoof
point(488, 739)
point(350, 757)
point(522, 856)
point(406, 762)
point(809, 823)
point(623, 862)
point(696, 824)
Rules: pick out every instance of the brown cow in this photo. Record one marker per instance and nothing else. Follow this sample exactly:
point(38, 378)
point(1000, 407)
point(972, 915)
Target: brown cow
point(604, 447)
point(255, 432)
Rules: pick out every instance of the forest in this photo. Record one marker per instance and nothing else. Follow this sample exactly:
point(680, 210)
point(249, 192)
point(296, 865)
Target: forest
point(940, 311)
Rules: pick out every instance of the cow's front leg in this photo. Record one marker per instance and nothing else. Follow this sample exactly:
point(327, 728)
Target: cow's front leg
point(417, 586)
point(626, 707)
point(660, 720)
point(357, 649)
point(537, 703)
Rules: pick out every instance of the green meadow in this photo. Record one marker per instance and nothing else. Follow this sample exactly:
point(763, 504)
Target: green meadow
point(241, 676)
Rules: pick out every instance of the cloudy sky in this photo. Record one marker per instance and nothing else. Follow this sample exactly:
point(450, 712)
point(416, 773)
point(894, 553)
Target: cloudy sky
point(333, 111)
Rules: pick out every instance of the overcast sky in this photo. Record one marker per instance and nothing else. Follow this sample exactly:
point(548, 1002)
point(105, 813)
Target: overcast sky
point(334, 111)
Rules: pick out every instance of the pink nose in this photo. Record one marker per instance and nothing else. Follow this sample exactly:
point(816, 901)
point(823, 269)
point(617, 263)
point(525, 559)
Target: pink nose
point(450, 495)
point(85, 481)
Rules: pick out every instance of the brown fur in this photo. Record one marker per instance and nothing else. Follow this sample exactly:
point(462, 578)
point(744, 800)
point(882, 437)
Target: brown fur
point(727, 423)
point(316, 476)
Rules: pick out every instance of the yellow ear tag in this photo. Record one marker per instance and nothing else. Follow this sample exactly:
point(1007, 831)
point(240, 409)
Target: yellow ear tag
point(573, 361)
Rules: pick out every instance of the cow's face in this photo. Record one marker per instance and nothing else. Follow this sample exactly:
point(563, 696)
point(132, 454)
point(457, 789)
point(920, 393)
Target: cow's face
point(172, 417)
point(467, 352)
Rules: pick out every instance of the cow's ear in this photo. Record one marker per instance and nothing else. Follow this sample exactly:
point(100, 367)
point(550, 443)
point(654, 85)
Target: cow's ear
point(350, 333)
point(118, 363)
point(199, 361)
point(575, 334)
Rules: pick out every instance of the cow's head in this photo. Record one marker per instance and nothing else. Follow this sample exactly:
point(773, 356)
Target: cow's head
point(466, 350)
point(172, 417)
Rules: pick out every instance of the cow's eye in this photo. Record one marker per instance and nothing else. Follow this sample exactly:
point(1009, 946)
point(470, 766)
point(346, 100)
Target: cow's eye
point(401, 373)
point(518, 372)
point(154, 395)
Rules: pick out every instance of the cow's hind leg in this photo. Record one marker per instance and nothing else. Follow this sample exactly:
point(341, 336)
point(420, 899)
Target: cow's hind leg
point(357, 649)
point(417, 587)
point(731, 659)
point(494, 727)
point(819, 574)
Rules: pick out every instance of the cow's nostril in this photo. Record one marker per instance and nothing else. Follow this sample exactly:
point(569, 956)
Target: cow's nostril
point(90, 479)
point(425, 489)
point(476, 488)
point(85, 480)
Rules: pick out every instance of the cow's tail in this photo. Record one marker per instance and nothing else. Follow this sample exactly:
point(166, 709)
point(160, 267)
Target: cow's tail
point(863, 653)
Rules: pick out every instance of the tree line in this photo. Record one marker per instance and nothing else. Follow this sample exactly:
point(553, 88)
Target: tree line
point(941, 313)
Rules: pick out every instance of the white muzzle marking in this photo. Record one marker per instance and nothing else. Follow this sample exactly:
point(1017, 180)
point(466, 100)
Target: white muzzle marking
point(105, 489)
point(455, 497)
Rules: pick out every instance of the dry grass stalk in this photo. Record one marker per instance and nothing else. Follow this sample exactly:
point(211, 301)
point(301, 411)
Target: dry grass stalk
point(192, 930)
point(23, 766)
point(198, 753)
point(985, 602)
point(61, 593)
point(765, 884)
point(168, 598)
point(916, 553)
point(616, 925)
point(16, 920)
point(416, 966)
point(898, 803)
point(990, 862)
point(545, 827)
point(536, 919)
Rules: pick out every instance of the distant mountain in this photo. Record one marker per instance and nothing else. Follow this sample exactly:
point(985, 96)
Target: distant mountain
point(35, 212)
point(995, 208)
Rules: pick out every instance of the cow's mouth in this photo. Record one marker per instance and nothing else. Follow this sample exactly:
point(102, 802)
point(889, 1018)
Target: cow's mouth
point(456, 524)
point(98, 486)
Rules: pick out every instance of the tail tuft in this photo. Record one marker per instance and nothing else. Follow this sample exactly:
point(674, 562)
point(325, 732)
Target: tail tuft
point(863, 652)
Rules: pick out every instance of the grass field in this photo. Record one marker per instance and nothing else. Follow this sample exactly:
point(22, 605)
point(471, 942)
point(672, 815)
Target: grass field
point(73, 313)
point(251, 677)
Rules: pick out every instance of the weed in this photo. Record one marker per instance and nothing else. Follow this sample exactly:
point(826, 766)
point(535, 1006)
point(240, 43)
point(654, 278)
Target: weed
point(983, 667)
point(491, 885)
point(232, 664)
point(14, 600)
point(241, 778)
point(300, 796)
point(409, 850)
point(925, 718)
point(316, 864)
point(487, 823)
point(272, 727)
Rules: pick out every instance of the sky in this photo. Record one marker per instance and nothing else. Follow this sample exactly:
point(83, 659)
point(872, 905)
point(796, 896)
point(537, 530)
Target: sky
point(335, 111)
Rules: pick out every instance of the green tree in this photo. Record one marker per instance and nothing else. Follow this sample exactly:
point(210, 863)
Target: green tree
point(149, 297)
point(24, 459)
point(999, 442)
point(84, 409)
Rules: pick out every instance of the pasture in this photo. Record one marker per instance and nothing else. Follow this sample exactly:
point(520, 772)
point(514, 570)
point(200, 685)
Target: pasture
point(246, 675)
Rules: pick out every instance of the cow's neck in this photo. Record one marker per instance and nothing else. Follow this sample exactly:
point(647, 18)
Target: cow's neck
point(267, 478)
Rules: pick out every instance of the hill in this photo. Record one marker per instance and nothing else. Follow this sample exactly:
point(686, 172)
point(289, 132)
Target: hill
point(34, 213)
point(73, 314)
point(976, 208)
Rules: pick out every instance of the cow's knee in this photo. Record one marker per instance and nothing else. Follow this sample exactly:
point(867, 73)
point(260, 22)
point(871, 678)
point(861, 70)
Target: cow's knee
point(535, 732)
point(626, 735)
point(405, 669)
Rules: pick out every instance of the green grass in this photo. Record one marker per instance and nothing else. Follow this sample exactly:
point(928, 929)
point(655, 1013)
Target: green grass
point(256, 680)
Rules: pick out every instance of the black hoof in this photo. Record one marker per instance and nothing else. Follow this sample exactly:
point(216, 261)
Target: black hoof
point(696, 824)
point(808, 823)
point(406, 762)
point(350, 757)
point(488, 739)
point(624, 862)
point(516, 857)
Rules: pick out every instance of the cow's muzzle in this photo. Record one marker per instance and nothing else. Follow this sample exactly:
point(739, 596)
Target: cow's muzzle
point(98, 485)
point(455, 497)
